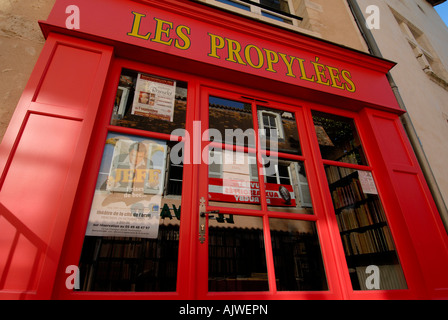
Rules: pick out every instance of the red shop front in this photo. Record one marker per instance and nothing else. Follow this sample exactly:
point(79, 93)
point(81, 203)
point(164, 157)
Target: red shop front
point(169, 150)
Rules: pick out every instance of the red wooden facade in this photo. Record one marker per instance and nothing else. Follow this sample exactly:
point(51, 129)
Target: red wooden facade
point(51, 153)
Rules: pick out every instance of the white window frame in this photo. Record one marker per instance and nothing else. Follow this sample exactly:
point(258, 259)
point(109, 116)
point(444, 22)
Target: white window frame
point(300, 184)
point(278, 123)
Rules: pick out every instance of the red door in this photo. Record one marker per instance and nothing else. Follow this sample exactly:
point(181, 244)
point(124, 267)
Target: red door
point(261, 228)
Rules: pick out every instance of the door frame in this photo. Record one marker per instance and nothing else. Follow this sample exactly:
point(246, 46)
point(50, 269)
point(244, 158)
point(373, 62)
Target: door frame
point(319, 217)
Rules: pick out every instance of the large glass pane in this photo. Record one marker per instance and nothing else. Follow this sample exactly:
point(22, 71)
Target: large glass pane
point(368, 244)
point(233, 179)
point(132, 236)
point(149, 102)
point(297, 256)
point(230, 122)
point(278, 130)
point(286, 186)
point(237, 258)
point(338, 138)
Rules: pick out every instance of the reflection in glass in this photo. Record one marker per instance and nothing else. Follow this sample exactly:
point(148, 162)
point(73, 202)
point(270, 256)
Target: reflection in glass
point(364, 230)
point(237, 258)
point(149, 102)
point(287, 187)
point(278, 130)
point(230, 122)
point(132, 236)
point(233, 179)
point(131, 263)
point(297, 256)
point(338, 138)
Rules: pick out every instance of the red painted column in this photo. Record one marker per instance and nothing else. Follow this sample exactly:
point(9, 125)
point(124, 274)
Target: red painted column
point(41, 158)
point(418, 227)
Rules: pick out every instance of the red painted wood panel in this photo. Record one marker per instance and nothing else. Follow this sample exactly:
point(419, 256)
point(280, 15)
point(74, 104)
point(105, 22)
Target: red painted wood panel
point(422, 221)
point(69, 78)
point(32, 188)
point(41, 158)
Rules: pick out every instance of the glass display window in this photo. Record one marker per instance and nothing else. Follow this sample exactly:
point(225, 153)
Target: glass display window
point(232, 198)
point(362, 222)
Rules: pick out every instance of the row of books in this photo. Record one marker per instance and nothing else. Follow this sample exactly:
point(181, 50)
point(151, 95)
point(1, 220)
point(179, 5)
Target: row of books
point(149, 249)
point(120, 250)
point(126, 271)
point(348, 195)
point(366, 214)
point(335, 174)
point(124, 275)
point(235, 251)
point(115, 270)
point(370, 241)
point(122, 247)
point(221, 284)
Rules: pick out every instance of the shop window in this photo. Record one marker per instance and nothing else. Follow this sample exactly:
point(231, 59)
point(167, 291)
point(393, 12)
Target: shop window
point(132, 237)
point(230, 122)
point(338, 139)
point(237, 172)
point(237, 256)
point(149, 102)
point(297, 256)
point(360, 215)
point(129, 235)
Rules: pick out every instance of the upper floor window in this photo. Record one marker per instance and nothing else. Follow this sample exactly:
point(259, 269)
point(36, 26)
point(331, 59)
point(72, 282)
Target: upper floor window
point(278, 10)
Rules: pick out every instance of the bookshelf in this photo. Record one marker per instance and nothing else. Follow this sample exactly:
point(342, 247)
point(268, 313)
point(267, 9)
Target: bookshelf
point(365, 235)
point(237, 259)
point(298, 261)
point(131, 264)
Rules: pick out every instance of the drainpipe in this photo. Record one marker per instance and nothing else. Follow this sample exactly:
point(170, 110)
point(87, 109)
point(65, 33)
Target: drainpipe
point(405, 119)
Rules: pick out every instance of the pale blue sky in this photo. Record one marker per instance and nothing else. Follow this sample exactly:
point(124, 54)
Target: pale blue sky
point(442, 9)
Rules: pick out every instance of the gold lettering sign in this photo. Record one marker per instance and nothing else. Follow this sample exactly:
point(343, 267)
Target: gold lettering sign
point(251, 55)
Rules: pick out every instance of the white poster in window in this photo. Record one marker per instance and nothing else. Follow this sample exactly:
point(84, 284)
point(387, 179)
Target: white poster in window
point(128, 194)
point(154, 97)
point(367, 182)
